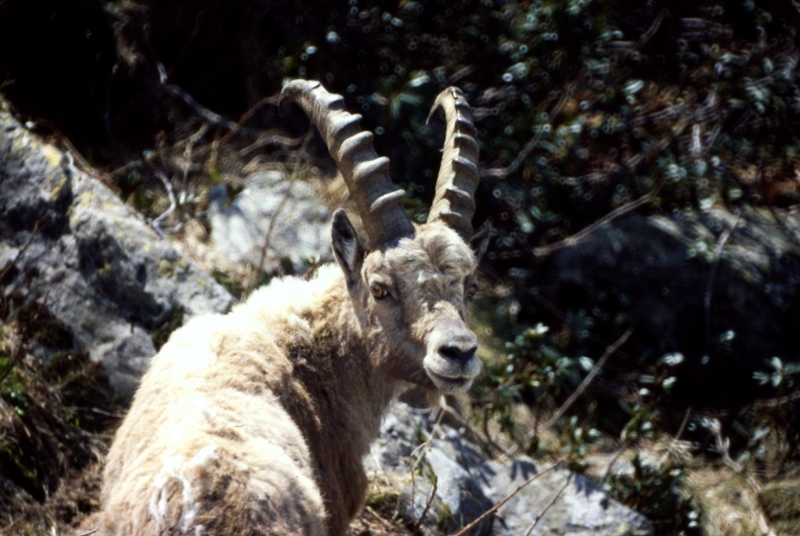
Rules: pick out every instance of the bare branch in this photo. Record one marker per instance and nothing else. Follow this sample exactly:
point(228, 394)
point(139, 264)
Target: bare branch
point(428, 503)
point(284, 201)
point(526, 151)
point(620, 451)
point(268, 238)
point(155, 223)
point(723, 239)
point(722, 445)
point(589, 377)
point(486, 441)
point(22, 250)
point(674, 443)
point(549, 505)
point(500, 504)
point(247, 115)
point(270, 138)
point(199, 109)
point(586, 231)
point(648, 35)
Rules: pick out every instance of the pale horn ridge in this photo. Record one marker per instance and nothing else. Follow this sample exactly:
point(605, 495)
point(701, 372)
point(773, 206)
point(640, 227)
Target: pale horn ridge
point(454, 200)
point(378, 201)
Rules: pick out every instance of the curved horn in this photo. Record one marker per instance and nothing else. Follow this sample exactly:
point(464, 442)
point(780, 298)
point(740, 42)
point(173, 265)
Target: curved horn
point(367, 176)
point(454, 201)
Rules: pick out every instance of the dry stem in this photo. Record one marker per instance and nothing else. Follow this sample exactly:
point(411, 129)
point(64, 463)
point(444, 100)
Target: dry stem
point(548, 506)
point(611, 350)
point(499, 505)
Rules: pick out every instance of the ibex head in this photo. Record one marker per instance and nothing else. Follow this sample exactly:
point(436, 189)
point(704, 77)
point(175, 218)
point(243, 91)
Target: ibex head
point(409, 285)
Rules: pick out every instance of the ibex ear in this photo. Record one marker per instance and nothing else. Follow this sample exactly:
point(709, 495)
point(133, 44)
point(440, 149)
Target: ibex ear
point(347, 247)
point(480, 240)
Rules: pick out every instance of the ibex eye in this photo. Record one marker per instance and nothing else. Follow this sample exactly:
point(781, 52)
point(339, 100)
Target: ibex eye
point(472, 290)
point(379, 292)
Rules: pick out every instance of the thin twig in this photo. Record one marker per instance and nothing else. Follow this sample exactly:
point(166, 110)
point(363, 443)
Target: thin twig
point(93, 410)
point(549, 505)
point(588, 379)
point(558, 313)
point(779, 401)
point(271, 228)
point(418, 454)
point(81, 163)
point(15, 357)
point(499, 505)
point(683, 424)
point(88, 533)
point(212, 117)
point(723, 239)
point(648, 35)
point(723, 446)
point(206, 114)
point(583, 233)
point(187, 154)
point(281, 205)
point(262, 138)
point(487, 441)
point(428, 503)
point(22, 250)
point(625, 446)
point(268, 138)
point(674, 441)
point(523, 155)
point(247, 115)
point(172, 204)
point(486, 432)
point(311, 272)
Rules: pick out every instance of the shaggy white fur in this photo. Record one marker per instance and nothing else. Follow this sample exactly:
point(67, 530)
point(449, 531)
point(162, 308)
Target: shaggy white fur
point(260, 418)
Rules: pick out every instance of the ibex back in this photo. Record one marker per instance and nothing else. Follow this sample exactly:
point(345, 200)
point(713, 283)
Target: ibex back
point(256, 422)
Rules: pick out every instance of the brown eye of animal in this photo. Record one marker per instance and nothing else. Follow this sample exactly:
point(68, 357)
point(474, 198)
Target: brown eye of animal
point(379, 292)
point(472, 290)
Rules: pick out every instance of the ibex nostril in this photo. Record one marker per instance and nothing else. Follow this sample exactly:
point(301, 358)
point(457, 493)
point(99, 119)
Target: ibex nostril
point(456, 353)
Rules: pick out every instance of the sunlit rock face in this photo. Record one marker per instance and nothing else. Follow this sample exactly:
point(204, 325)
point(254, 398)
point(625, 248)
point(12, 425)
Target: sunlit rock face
point(91, 261)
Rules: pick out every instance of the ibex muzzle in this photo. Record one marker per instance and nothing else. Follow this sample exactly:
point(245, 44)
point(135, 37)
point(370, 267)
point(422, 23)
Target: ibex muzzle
point(451, 360)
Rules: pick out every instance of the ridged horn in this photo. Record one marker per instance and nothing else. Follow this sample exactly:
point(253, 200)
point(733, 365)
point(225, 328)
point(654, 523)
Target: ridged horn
point(367, 176)
point(454, 201)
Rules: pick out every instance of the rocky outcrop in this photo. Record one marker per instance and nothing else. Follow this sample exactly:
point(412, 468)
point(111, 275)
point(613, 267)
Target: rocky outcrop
point(721, 289)
point(467, 484)
point(70, 245)
point(275, 222)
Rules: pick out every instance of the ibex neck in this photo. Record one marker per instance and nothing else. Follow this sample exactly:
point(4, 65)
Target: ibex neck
point(365, 391)
point(334, 374)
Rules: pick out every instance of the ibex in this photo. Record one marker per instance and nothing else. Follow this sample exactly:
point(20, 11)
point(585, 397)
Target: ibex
point(256, 422)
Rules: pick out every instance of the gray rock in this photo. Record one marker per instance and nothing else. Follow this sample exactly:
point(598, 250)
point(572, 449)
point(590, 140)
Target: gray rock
point(273, 220)
point(458, 499)
point(96, 266)
point(468, 484)
point(581, 507)
point(727, 314)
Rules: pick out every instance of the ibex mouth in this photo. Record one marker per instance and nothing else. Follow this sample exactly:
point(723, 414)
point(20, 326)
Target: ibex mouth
point(450, 384)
